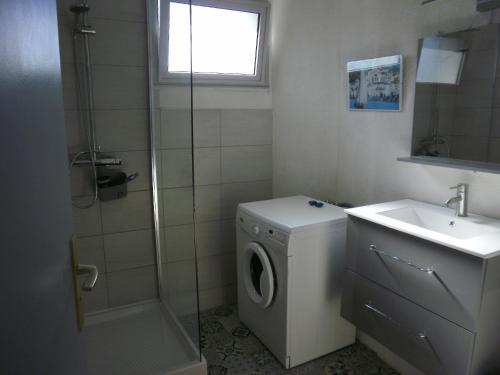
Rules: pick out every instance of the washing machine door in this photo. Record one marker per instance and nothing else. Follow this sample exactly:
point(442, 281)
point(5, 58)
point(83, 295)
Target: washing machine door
point(258, 275)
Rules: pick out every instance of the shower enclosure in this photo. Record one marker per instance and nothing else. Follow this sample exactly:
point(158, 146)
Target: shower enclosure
point(142, 315)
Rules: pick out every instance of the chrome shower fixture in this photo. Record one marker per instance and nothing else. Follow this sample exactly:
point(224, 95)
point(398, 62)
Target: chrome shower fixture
point(85, 29)
point(80, 8)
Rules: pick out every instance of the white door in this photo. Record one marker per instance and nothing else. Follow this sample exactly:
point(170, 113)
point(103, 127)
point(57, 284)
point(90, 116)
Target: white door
point(37, 307)
point(258, 275)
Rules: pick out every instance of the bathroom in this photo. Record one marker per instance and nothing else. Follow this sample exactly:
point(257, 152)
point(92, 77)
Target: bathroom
point(87, 92)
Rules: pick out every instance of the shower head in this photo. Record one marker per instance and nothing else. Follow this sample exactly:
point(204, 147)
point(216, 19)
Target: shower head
point(80, 8)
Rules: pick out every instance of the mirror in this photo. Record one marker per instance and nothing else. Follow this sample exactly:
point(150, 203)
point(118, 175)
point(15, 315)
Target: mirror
point(457, 98)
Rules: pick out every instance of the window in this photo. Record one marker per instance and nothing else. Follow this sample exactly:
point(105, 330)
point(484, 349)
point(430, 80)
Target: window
point(228, 42)
point(441, 60)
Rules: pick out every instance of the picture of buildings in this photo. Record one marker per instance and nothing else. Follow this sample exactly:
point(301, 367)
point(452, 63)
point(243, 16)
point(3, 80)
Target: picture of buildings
point(375, 84)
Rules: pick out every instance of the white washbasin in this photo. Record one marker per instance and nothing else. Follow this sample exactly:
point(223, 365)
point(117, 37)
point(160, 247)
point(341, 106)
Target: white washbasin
point(449, 225)
point(474, 234)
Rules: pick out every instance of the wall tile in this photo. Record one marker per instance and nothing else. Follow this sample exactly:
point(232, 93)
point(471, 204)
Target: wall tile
point(183, 303)
point(87, 222)
point(445, 121)
point(130, 213)
point(496, 101)
point(208, 202)
point(217, 271)
point(421, 123)
point(181, 277)
point(469, 148)
point(231, 294)
point(119, 42)
point(207, 162)
point(129, 250)
point(246, 163)
point(122, 130)
point(206, 128)
point(488, 39)
point(246, 127)
point(210, 298)
point(480, 64)
point(233, 194)
point(178, 243)
point(178, 206)
point(494, 150)
point(209, 238)
point(228, 234)
point(215, 237)
point(156, 128)
point(120, 87)
point(91, 251)
point(176, 168)
point(70, 96)
point(425, 97)
point(132, 162)
point(446, 101)
point(129, 286)
point(127, 10)
point(160, 208)
point(175, 128)
point(82, 182)
point(475, 94)
point(75, 136)
point(495, 123)
point(472, 122)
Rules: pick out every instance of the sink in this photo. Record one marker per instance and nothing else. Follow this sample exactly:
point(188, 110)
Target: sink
point(433, 219)
point(475, 234)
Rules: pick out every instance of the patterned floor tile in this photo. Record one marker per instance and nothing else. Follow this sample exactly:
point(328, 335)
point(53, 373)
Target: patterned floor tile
point(231, 349)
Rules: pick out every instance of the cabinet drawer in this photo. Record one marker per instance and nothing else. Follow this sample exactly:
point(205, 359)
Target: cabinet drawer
point(443, 280)
point(428, 341)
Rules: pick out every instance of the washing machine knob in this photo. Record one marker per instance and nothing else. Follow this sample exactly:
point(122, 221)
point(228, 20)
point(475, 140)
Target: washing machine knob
point(256, 230)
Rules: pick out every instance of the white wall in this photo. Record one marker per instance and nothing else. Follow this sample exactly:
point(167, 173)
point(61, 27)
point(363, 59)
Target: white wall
point(324, 150)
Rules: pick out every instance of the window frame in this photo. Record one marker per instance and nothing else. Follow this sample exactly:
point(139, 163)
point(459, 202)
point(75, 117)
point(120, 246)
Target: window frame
point(261, 69)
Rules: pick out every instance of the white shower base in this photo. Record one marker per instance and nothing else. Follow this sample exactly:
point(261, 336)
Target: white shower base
point(141, 339)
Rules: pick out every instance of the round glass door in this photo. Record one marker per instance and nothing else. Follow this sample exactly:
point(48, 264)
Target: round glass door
point(258, 275)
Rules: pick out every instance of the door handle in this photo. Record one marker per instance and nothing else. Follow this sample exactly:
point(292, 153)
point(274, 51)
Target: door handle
point(87, 286)
point(93, 275)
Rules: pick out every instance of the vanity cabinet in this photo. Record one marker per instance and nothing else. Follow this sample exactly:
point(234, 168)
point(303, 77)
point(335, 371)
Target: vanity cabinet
point(436, 307)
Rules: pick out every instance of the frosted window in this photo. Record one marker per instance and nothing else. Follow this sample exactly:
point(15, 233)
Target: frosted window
point(224, 41)
point(441, 61)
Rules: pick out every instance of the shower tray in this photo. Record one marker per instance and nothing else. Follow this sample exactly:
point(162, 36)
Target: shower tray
point(143, 339)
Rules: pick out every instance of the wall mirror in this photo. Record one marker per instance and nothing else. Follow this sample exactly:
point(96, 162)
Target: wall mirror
point(457, 100)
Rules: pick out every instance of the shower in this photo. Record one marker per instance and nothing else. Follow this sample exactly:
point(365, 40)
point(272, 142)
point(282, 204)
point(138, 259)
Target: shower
point(143, 314)
point(85, 87)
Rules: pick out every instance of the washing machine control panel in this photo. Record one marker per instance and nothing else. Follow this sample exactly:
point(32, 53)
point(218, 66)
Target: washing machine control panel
point(262, 230)
point(276, 235)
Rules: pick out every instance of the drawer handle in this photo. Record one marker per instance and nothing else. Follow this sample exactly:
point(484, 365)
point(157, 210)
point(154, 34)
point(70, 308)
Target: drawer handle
point(419, 335)
point(427, 270)
point(372, 308)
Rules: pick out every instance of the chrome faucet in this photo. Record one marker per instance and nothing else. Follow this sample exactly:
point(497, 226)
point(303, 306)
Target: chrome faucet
point(460, 200)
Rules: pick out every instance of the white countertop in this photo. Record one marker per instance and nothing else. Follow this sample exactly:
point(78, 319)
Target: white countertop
point(484, 246)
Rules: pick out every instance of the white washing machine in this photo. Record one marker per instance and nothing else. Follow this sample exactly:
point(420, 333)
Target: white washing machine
point(290, 261)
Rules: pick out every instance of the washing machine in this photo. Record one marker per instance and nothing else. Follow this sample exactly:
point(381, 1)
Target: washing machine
point(290, 259)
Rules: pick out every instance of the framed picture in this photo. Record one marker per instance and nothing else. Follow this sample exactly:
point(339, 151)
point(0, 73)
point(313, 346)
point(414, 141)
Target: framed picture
point(376, 84)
